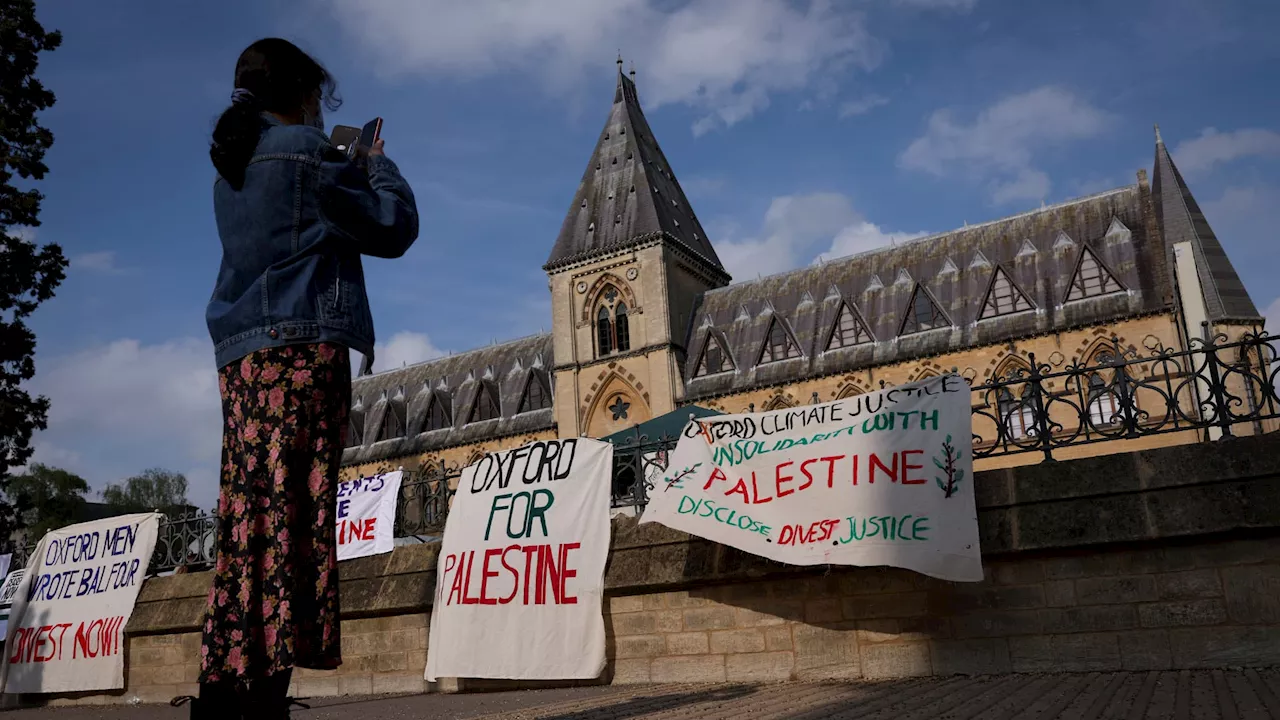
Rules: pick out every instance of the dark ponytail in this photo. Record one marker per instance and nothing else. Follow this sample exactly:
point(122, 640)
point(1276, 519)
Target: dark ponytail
point(272, 75)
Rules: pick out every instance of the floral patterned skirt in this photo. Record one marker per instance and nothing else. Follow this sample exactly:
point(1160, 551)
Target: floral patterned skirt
point(274, 601)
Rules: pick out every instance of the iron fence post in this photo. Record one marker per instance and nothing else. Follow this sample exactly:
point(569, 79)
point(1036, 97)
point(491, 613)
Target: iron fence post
point(1043, 435)
point(1217, 387)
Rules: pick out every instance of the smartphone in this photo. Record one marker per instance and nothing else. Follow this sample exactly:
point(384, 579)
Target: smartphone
point(371, 132)
point(344, 138)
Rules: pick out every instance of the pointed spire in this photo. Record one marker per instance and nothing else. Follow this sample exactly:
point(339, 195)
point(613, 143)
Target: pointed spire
point(647, 202)
point(1159, 140)
point(1181, 220)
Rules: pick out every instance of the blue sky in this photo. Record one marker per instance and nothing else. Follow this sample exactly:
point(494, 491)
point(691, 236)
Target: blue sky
point(798, 129)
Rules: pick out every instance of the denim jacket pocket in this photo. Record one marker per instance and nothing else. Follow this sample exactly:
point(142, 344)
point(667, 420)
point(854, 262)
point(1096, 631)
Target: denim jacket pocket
point(334, 298)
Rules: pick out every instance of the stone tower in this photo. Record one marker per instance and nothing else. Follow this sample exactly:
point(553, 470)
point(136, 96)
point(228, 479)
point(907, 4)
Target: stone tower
point(626, 273)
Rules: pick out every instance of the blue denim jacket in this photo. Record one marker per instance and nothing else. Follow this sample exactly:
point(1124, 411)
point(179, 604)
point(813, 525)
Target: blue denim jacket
point(292, 240)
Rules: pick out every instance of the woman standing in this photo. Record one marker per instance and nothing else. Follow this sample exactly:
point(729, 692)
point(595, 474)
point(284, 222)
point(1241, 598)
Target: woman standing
point(294, 215)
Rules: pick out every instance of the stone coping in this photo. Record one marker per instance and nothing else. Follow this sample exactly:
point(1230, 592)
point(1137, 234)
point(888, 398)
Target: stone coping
point(1160, 494)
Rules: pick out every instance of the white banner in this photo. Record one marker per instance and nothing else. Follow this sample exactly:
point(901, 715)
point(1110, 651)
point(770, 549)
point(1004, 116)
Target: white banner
point(884, 478)
point(7, 592)
point(66, 629)
point(520, 577)
point(367, 515)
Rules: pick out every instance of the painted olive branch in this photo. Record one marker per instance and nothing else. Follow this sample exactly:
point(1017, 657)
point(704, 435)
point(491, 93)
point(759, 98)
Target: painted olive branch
point(948, 467)
point(680, 476)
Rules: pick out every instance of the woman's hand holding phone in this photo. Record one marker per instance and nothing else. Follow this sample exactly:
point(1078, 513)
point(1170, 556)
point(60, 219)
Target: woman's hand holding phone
point(377, 147)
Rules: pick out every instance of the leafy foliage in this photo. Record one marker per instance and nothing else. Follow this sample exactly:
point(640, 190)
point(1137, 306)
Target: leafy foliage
point(28, 274)
point(47, 498)
point(154, 489)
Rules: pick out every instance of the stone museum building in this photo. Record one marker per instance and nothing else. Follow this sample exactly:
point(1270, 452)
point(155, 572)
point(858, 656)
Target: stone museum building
point(645, 319)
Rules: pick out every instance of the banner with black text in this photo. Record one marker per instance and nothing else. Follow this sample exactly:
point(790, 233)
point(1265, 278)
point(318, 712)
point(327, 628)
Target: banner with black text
point(884, 478)
point(66, 628)
point(367, 515)
point(520, 577)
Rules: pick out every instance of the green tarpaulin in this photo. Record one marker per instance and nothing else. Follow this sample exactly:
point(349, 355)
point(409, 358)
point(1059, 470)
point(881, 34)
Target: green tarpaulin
point(652, 431)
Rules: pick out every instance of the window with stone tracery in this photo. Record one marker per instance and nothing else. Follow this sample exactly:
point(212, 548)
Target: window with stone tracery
point(849, 329)
point(394, 420)
point(1014, 403)
point(1104, 406)
point(438, 414)
point(536, 395)
point(778, 344)
point(1091, 278)
point(355, 428)
point(485, 406)
point(613, 324)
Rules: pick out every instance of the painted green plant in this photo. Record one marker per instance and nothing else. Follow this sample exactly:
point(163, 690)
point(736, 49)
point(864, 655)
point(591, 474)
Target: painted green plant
point(678, 481)
point(948, 466)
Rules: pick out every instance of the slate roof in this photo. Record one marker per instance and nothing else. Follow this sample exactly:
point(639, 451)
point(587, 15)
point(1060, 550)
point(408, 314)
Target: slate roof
point(1182, 221)
point(506, 368)
point(628, 194)
point(1039, 250)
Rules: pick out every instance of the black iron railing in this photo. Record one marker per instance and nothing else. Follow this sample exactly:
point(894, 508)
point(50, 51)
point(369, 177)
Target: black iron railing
point(1216, 389)
point(424, 500)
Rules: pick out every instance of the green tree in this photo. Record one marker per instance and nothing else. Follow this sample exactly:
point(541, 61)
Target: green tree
point(154, 489)
point(28, 274)
point(47, 498)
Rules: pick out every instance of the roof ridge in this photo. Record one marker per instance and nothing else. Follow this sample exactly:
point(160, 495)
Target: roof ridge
point(937, 235)
point(452, 355)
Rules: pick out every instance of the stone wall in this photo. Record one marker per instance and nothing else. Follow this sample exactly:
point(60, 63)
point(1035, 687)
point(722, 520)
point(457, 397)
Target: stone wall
point(1161, 559)
point(1213, 604)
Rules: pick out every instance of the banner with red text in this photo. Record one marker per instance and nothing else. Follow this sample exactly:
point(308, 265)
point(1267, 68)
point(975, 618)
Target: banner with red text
point(520, 577)
point(66, 628)
point(884, 478)
point(367, 515)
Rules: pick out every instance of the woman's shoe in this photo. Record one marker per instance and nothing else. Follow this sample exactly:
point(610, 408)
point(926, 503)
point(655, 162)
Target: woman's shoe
point(268, 697)
point(217, 701)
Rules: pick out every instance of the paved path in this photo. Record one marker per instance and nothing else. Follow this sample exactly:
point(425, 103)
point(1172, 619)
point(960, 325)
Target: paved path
point(1226, 695)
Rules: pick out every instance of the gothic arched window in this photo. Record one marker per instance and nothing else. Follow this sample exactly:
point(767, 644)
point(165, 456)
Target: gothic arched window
point(1016, 408)
point(604, 330)
point(1017, 414)
point(1104, 407)
point(621, 329)
point(613, 323)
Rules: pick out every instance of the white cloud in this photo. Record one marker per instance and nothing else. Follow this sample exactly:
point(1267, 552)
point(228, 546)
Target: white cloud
point(863, 236)
point(99, 262)
point(795, 227)
point(999, 146)
point(1213, 147)
point(404, 348)
point(118, 408)
point(725, 58)
point(862, 106)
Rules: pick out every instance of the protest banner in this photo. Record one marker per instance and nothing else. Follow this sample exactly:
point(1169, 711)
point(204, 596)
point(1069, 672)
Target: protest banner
point(367, 515)
point(884, 478)
point(66, 628)
point(7, 592)
point(520, 578)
